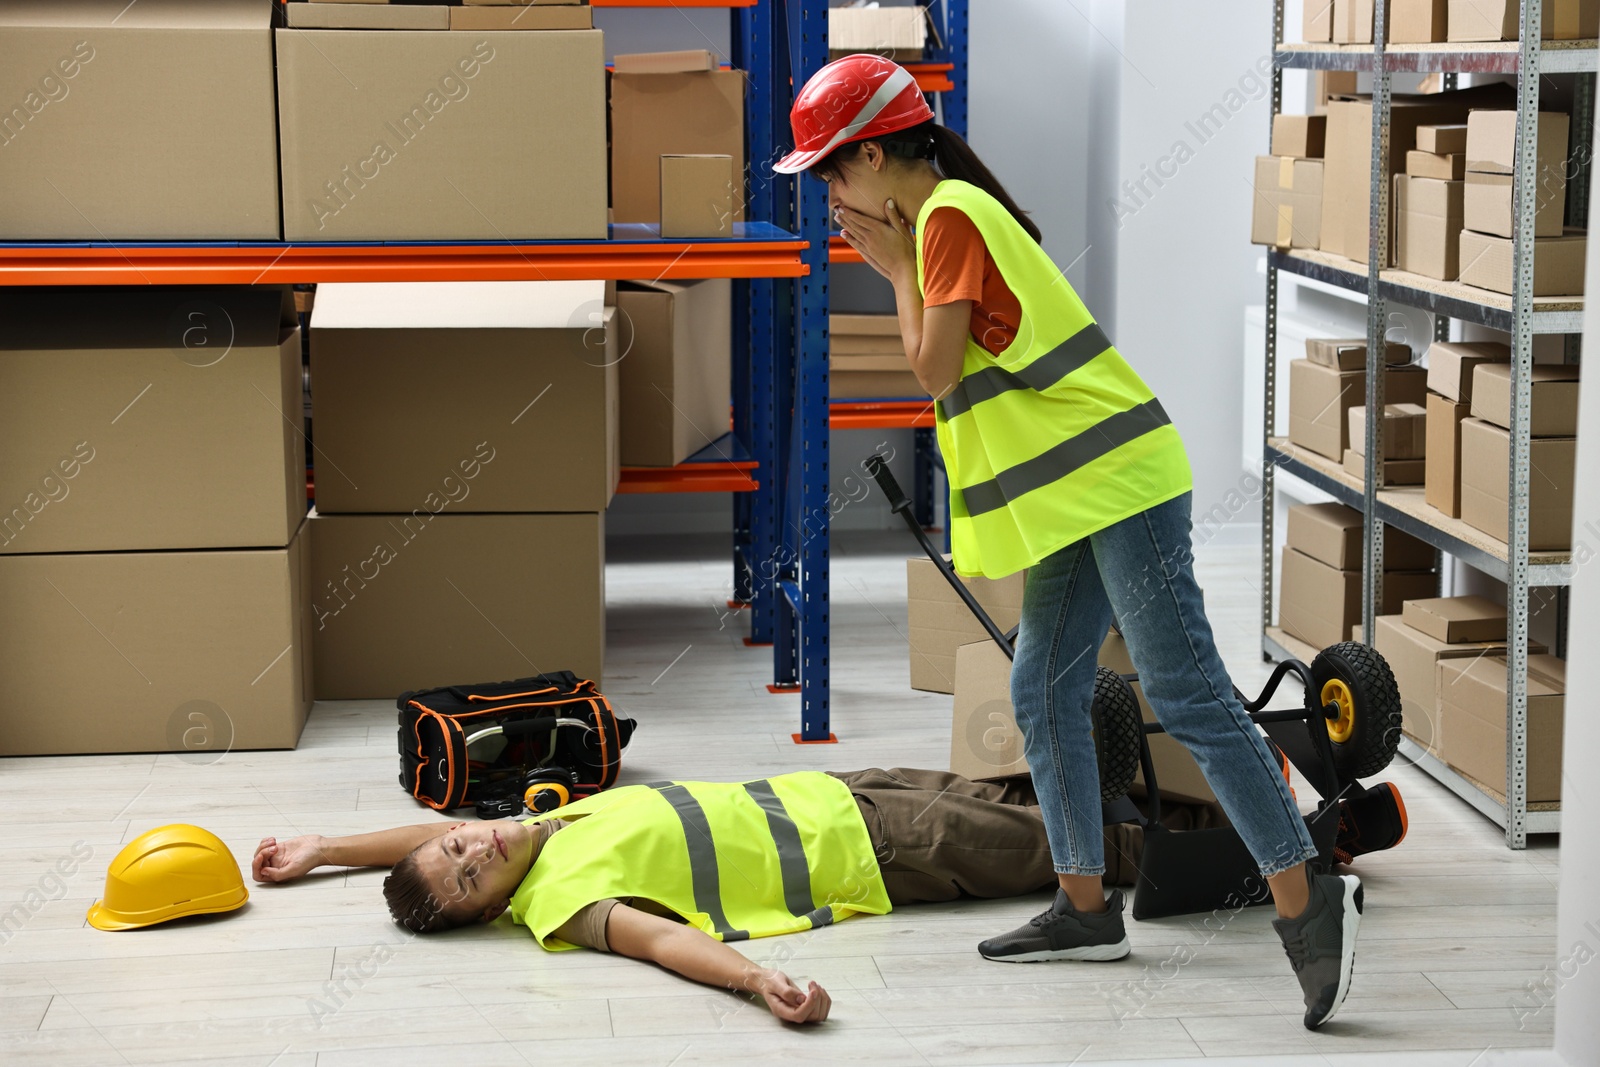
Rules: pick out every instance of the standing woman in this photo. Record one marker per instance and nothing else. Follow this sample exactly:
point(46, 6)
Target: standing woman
point(1062, 461)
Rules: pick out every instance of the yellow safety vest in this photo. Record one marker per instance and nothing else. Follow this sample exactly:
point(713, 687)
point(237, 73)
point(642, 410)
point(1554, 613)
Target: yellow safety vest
point(737, 860)
point(1055, 438)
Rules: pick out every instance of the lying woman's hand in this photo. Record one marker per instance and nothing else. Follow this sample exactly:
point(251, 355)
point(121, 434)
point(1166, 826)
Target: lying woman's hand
point(284, 861)
point(790, 1004)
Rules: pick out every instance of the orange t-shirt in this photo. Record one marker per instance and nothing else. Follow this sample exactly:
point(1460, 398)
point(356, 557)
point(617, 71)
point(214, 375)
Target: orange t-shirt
point(956, 265)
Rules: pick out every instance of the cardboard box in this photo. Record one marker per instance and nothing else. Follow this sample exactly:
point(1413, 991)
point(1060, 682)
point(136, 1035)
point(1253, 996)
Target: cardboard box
point(433, 136)
point(1391, 471)
point(1451, 365)
point(676, 379)
point(1454, 619)
point(849, 383)
point(198, 653)
point(680, 113)
point(1488, 208)
point(1319, 604)
point(1332, 534)
point(521, 416)
point(1316, 21)
point(1347, 165)
point(870, 344)
point(691, 59)
point(1450, 168)
point(1287, 207)
point(1501, 20)
point(1416, 21)
point(1472, 721)
point(1300, 136)
point(189, 154)
point(1553, 397)
point(504, 3)
point(697, 196)
point(1352, 21)
point(409, 601)
point(1485, 504)
point(882, 325)
point(1350, 353)
point(553, 17)
point(1442, 464)
point(938, 623)
point(365, 16)
point(1443, 140)
point(1428, 229)
point(1492, 148)
point(891, 30)
point(1404, 430)
point(150, 418)
point(1413, 656)
point(986, 742)
point(1321, 397)
point(1558, 263)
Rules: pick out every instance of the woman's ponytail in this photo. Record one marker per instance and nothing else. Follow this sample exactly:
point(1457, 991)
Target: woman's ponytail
point(956, 159)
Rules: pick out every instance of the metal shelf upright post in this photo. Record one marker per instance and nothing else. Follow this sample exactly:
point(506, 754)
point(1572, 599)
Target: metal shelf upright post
point(1521, 315)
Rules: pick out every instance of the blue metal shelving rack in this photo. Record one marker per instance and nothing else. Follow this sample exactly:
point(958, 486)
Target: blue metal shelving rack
point(781, 411)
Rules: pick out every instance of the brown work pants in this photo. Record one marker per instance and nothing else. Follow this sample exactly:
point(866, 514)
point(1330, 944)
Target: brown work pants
point(939, 836)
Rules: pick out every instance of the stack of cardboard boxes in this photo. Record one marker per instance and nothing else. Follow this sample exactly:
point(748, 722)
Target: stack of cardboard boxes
point(1488, 209)
point(1320, 593)
point(466, 450)
point(356, 121)
point(1552, 453)
point(153, 549)
point(951, 653)
point(1287, 210)
point(1428, 203)
point(1404, 441)
point(1332, 380)
point(897, 33)
point(1447, 655)
point(867, 358)
point(676, 104)
point(1450, 375)
point(1425, 21)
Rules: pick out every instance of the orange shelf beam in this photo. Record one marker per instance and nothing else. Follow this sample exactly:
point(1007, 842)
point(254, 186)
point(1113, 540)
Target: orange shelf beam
point(839, 251)
point(269, 264)
point(730, 477)
point(881, 414)
point(932, 77)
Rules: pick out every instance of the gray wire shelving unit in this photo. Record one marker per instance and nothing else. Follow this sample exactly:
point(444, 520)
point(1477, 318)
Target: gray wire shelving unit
point(1521, 315)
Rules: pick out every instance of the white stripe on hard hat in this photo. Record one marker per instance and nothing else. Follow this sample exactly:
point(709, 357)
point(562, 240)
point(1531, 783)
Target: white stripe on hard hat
point(893, 86)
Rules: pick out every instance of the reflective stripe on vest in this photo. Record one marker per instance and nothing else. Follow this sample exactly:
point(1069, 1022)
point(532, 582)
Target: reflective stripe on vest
point(1055, 438)
point(774, 856)
point(702, 859)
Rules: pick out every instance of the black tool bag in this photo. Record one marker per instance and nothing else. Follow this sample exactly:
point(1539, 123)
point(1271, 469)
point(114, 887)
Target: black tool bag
point(553, 720)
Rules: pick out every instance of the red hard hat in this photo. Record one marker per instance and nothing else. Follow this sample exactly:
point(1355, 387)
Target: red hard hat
point(851, 99)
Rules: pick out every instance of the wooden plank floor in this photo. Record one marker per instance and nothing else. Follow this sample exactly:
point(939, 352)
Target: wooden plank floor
point(315, 973)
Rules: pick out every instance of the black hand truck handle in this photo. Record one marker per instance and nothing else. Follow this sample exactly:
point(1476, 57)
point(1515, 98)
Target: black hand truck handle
point(878, 467)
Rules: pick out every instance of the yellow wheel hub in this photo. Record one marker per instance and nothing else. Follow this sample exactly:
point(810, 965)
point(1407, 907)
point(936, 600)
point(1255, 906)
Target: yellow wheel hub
point(1335, 691)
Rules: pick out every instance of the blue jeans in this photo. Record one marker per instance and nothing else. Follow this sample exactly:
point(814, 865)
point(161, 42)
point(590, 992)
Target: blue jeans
point(1142, 570)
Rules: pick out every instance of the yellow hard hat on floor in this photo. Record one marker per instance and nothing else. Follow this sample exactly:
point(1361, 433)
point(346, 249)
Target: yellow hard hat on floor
point(166, 873)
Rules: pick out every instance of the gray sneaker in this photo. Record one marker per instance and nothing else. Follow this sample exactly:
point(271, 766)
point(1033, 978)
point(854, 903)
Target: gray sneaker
point(1063, 933)
point(1321, 944)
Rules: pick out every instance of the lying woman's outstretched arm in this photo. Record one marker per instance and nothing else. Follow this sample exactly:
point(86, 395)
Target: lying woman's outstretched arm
point(284, 861)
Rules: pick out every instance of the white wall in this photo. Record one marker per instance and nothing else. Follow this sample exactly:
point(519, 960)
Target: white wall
point(1577, 962)
point(1170, 216)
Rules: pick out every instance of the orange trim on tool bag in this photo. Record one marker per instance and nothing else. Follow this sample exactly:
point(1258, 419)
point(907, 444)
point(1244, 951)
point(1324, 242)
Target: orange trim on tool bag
point(512, 696)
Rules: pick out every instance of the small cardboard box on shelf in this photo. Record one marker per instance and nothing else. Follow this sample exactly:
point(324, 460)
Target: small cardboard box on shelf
point(1552, 392)
point(1442, 464)
point(1485, 500)
point(1558, 262)
point(1287, 206)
